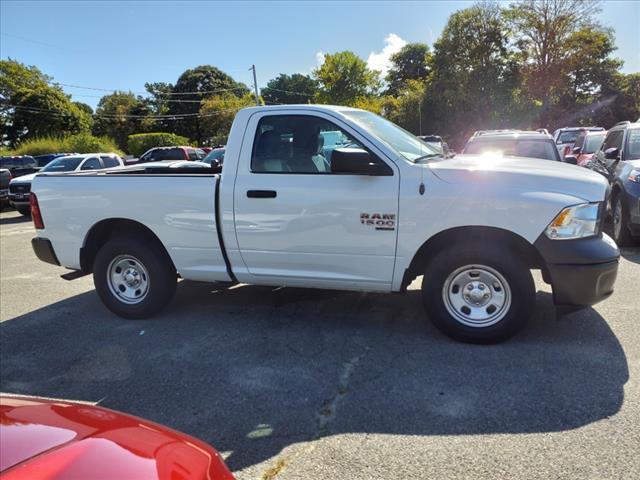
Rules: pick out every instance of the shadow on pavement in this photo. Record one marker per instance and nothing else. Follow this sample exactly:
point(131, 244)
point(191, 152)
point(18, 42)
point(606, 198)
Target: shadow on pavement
point(252, 369)
point(12, 220)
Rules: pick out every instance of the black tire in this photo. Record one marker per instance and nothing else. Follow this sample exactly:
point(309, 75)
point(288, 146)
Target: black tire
point(162, 278)
point(509, 266)
point(26, 211)
point(622, 236)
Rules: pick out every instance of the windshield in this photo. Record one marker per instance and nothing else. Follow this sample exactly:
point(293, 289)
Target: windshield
point(633, 144)
point(568, 137)
point(64, 164)
point(217, 154)
point(403, 142)
point(593, 143)
point(516, 148)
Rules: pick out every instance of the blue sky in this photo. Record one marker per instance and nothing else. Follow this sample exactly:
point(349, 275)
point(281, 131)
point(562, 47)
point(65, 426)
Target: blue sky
point(121, 45)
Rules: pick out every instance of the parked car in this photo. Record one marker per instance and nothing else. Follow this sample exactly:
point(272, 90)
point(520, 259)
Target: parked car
point(172, 153)
point(565, 138)
point(43, 160)
point(20, 188)
point(281, 214)
point(585, 147)
point(215, 157)
point(19, 165)
point(437, 142)
point(5, 178)
point(620, 156)
point(47, 438)
point(514, 144)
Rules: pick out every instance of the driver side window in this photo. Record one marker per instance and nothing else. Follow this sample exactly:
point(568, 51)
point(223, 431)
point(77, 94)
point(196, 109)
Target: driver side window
point(297, 144)
point(91, 164)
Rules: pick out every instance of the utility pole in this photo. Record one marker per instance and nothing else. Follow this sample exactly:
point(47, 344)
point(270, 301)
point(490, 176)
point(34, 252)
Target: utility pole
point(420, 115)
point(255, 84)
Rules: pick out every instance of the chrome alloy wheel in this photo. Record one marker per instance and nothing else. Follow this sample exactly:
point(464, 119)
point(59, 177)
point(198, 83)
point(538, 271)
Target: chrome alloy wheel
point(476, 295)
point(128, 279)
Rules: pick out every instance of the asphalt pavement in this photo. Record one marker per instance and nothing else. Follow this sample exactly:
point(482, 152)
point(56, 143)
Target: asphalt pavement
point(293, 383)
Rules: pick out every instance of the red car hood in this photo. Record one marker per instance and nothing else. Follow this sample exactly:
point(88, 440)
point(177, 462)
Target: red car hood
point(50, 439)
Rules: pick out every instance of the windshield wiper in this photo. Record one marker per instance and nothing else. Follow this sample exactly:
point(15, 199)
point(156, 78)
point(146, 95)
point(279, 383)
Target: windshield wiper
point(427, 156)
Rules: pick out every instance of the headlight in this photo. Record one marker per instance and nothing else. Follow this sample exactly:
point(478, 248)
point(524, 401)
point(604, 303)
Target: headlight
point(634, 175)
point(575, 222)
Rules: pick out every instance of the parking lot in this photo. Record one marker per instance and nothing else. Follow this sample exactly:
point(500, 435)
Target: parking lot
point(297, 383)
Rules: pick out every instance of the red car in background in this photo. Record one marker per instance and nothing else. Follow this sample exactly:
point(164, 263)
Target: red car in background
point(54, 439)
point(587, 144)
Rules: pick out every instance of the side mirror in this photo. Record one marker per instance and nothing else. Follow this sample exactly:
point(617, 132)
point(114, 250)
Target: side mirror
point(611, 153)
point(570, 159)
point(576, 150)
point(356, 161)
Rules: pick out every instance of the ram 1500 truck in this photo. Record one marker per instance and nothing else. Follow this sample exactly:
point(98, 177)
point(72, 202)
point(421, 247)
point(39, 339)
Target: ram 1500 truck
point(337, 198)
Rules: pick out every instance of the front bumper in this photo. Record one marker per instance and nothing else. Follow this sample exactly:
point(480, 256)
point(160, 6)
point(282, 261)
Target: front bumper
point(581, 272)
point(44, 250)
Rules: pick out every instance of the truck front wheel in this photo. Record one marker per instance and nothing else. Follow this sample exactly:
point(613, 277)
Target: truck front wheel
point(134, 279)
point(478, 294)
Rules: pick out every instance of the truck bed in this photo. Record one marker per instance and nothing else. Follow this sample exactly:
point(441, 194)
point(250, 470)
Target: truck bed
point(178, 207)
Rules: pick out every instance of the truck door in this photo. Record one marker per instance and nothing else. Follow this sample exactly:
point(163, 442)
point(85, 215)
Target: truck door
point(296, 222)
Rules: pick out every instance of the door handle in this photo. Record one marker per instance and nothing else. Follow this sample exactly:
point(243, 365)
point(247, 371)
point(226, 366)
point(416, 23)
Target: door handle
point(261, 193)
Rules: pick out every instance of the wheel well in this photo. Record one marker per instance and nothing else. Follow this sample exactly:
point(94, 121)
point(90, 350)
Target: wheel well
point(104, 230)
point(472, 235)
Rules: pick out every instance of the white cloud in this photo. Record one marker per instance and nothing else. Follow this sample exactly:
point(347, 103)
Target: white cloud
point(382, 60)
point(320, 58)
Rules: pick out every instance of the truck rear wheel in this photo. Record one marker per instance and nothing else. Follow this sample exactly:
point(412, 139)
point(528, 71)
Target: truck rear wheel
point(134, 279)
point(478, 294)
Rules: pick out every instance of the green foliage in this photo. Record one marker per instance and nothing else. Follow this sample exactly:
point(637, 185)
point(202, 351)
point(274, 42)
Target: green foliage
point(344, 78)
point(406, 108)
point(473, 75)
point(121, 114)
point(546, 33)
point(218, 113)
point(32, 107)
point(79, 143)
point(410, 63)
point(139, 143)
point(290, 89)
point(207, 81)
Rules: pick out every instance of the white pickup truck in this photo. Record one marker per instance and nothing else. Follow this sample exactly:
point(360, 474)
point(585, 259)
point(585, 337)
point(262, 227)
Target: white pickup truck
point(338, 198)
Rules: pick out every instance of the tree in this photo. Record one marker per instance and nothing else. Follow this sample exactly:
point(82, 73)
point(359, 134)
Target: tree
point(406, 109)
point(543, 30)
point(296, 88)
point(31, 106)
point(344, 77)
point(121, 114)
point(410, 63)
point(217, 114)
point(473, 75)
point(84, 107)
point(191, 89)
point(590, 79)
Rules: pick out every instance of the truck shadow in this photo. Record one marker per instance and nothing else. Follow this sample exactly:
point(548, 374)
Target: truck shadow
point(10, 220)
point(253, 370)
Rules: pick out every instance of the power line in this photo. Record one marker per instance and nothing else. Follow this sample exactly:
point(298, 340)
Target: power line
point(289, 91)
point(182, 116)
point(204, 92)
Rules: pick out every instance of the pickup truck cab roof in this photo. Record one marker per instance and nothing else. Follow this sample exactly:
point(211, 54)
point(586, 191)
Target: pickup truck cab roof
point(335, 197)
